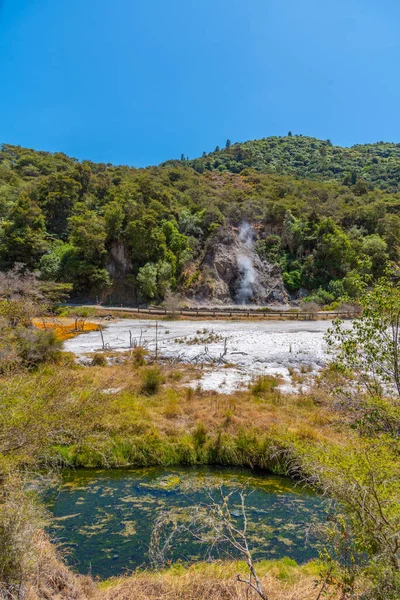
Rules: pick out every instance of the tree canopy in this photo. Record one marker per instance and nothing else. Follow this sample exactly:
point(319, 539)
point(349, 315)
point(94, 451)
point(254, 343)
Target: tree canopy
point(324, 214)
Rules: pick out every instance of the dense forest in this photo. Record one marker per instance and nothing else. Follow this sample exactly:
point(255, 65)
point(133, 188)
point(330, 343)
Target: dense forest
point(328, 217)
point(378, 165)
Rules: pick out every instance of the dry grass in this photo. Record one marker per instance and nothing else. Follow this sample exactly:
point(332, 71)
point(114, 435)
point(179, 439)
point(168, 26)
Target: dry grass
point(54, 581)
point(173, 406)
point(99, 416)
point(213, 582)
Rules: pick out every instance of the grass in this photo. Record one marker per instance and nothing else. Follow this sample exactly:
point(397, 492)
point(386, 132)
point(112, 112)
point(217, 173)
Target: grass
point(282, 580)
point(123, 415)
point(132, 415)
point(265, 385)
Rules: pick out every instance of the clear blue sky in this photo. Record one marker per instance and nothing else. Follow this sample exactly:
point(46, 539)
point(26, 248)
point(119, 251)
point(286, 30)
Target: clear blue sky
point(140, 81)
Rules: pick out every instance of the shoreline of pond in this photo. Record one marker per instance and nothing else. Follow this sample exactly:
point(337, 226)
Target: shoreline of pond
point(106, 517)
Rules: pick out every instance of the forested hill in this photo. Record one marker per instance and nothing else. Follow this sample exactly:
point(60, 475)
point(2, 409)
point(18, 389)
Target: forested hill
point(129, 235)
point(305, 157)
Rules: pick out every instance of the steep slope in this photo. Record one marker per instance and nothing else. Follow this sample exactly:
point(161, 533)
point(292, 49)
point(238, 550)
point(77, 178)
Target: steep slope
point(231, 271)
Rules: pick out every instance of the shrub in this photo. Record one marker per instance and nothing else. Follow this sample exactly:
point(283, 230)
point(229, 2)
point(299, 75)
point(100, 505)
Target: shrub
point(264, 385)
point(139, 356)
point(320, 297)
point(311, 307)
point(152, 380)
point(292, 280)
point(99, 360)
point(172, 410)
point(200, 435)
point(35, 346)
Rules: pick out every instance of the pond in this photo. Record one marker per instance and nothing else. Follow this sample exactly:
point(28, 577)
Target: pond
point(104, 519)
point(251, 348)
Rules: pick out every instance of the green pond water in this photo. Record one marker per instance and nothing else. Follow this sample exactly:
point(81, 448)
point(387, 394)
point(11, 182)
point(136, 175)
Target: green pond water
point(104, 519)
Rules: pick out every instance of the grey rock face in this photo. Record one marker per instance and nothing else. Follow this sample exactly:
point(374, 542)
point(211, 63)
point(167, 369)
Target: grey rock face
point(232, 272)
point(118, 262)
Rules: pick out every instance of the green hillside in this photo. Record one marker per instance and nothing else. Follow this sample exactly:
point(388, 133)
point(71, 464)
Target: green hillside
point(305, 157)
point(327, 216)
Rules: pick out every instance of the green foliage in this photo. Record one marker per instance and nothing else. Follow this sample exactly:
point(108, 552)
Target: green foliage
point(292, 280)
point(309, 158)
point(152, 380)
point(370, 348)
point(265, 384)
point(147, 281)
point(323, 214)
point(364, 533)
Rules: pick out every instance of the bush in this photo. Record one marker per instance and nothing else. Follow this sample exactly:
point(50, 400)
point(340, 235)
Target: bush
point(264, 385)
point(152, 380)
point(321, 297)
point(35, 346)
point(99, 360)
point(292, 280)
point(139, 356)
point(200, 435)
point(310, 307)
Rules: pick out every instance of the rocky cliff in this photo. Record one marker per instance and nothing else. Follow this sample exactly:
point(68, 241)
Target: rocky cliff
point(232, 272)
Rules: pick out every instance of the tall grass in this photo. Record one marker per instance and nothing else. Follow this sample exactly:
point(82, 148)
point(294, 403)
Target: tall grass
point(283, 580)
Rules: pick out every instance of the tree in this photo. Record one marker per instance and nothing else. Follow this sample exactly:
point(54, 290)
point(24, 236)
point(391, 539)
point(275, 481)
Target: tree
point(376, 249)
point(88, 236)
point(51, 264)
point(22, 236)
point(213, 525)
point(371, 347)
point(147, 281)
point(57, 195)
point(363, 531)
point(114, 219)
point(228, 144)
point(164, 278)
point(145, 240)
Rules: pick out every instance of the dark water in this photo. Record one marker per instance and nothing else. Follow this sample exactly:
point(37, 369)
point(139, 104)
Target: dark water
point(104, 519)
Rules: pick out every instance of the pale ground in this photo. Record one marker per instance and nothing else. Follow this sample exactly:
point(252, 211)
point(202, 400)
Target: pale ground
point(253, 348)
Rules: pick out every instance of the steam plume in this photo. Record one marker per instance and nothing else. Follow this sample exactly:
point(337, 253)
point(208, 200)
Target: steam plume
point(245, 263)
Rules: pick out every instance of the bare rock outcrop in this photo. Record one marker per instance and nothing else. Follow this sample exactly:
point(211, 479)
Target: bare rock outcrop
point(232, 272)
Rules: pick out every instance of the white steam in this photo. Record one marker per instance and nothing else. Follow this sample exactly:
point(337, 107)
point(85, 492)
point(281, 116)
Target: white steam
point(245, 263)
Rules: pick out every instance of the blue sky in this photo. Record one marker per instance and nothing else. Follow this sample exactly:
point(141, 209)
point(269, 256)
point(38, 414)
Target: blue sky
point(140, 81)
